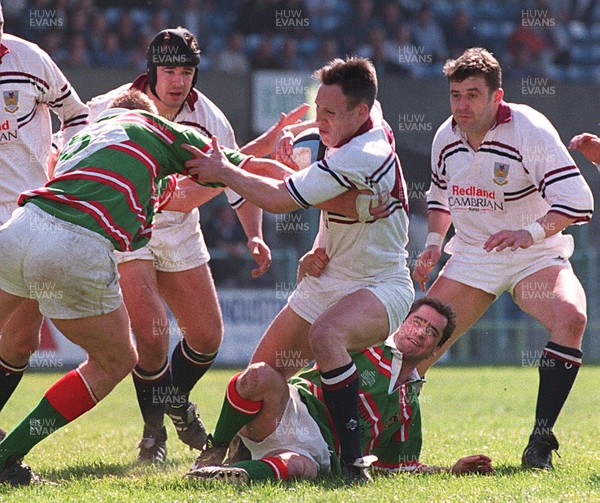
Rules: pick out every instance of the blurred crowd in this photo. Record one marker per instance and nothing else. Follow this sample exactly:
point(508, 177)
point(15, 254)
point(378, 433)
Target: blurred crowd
point(559, 39)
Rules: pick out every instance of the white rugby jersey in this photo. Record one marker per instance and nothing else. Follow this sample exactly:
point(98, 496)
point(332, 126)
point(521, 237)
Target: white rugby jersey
point(519, 173)
point(31, 84)
point(197, 112)
point(375, 249)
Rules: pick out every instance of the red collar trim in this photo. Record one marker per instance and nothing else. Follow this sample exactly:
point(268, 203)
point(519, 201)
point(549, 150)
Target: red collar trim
point(503, 114)
point(142, 81)
point(3, 51)
point(367, 126)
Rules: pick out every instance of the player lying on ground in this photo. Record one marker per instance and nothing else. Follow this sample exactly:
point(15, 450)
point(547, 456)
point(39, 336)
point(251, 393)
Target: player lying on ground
point(286, 427)
point(503, 178)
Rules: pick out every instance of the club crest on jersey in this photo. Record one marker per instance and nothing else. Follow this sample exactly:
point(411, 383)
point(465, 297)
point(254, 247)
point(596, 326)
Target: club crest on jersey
point(11, 101)
point(500, 173)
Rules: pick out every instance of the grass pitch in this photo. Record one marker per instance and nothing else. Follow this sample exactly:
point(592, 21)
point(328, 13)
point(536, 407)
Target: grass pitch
point(465, 411)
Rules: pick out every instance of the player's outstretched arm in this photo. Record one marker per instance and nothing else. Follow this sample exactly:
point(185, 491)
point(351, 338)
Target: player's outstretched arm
point(264, 144)
point(589, 145)
point(266, 193)
point(478, 463)
point(189, 195)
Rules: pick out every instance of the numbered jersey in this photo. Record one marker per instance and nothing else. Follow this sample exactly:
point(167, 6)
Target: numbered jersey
point(30, 85)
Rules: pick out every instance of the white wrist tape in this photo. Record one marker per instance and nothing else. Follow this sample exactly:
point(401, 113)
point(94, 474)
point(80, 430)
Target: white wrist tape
point(435, 239)
point(536, 230)
point(364, 202)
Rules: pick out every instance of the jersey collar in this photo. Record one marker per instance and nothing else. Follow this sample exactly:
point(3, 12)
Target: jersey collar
point(142, 81)
point(397, 365)
point(3, 51)
point(367, 126)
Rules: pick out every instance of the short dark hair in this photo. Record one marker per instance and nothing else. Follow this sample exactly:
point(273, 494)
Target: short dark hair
point(473, 62)
point(356, 76)
point(133, 99)
point(444, 309)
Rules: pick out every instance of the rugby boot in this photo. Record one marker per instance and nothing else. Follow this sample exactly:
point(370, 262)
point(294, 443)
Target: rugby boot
point(538, 453)
point(190, 429)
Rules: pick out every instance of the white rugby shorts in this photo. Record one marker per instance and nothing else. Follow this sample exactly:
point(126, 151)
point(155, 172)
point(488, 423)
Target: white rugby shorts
point(71, 271)
point(497, 272)
point(314, 295)
point(297, 432)
point(176, 244)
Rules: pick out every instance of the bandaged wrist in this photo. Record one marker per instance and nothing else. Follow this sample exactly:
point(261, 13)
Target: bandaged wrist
point(435, 239)
point(536, 230)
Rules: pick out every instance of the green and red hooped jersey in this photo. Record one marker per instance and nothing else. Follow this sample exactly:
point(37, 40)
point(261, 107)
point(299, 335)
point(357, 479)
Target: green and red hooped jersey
point(114, 175)
point(390, 420)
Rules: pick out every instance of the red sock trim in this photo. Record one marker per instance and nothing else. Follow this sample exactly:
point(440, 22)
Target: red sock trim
point(71, 396)
point(238, 402)
point(278, 466)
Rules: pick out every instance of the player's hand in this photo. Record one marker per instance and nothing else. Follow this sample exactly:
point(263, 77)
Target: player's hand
point(377, 205)
point(508, 239)
point(261, 253)
point(284, 147)
point(293, 116)
point(477, 463)
point(206, 168)
point(425, 262)
point(312, 264)
point(588, 144)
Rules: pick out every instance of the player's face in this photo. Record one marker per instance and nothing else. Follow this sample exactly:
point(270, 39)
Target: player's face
point(173, 84)
point(473, 105)
point(418, 336)
point(336, 123)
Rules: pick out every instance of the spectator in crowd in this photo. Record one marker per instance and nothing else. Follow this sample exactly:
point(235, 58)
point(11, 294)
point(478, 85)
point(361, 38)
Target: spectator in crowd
point(391, 18)
point(79, 55)
point(264, 57)
point(359, 26)
point(233, 59)
point(97, 30)
point(257, 16)
point(428, 35)
point(402, 53)
point(329, 48)
point(111, 54)
point(126, 31)
point(461, 34)
point(291, 58)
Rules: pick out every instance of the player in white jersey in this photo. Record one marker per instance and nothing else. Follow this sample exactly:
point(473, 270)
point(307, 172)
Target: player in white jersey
point(31, 85)
point(502, 177)
point(174, 265)
point(364, 291)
